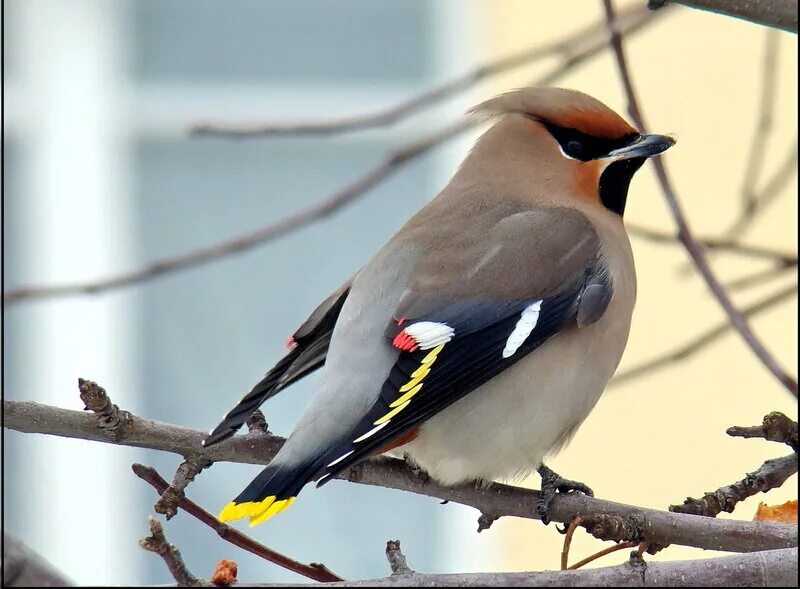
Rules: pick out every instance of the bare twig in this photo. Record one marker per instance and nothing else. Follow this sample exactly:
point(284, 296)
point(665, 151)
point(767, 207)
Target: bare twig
point(771, 475)
point(397, 560)
point(157, 542)
point(758, 148)
point(313, 571)
point(257, 423)
point(600, 554)
point(573, 525)
point(703, 340)
point(661, 527)
point(633, 16)
point(772, 188)
point(759, 278)
point(167, 504)
point(715, 243)
point(685, 235)
point(110, 418)
point(781, 14)
point(22, 567)
point(575, 51)
point(776, 427)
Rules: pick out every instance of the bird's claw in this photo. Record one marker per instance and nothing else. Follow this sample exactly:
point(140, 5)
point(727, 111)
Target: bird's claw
point(553, 482)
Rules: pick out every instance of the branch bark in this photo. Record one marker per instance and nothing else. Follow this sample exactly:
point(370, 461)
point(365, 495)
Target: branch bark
point(650, 525)
point(771, 568)
point(781, 14)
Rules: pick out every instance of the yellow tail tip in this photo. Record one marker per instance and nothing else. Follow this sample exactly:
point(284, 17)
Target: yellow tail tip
point(257, 511)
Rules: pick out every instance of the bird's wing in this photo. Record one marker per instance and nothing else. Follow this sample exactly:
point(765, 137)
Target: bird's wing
point(308, 348)
point(471, 314)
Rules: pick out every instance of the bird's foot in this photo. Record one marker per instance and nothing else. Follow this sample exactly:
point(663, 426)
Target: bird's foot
point(553, 482)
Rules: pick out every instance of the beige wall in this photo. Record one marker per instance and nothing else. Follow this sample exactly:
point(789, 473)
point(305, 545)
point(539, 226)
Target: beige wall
point(655, 440)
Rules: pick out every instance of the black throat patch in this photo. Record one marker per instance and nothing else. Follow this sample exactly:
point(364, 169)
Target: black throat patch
point(614, 183)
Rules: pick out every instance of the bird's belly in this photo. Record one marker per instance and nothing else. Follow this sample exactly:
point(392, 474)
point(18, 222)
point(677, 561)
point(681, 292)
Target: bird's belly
point(505, 428)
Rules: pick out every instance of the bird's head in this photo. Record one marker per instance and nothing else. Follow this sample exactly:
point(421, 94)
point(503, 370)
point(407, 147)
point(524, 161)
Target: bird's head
point(564, 136)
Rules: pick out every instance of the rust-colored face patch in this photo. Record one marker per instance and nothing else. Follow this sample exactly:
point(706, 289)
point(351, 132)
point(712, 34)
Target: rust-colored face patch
point(587, 180)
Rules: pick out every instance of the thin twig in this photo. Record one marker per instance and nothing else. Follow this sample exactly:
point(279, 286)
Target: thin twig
point(631, 16)
point(685, 235)
point(167, 504)
point(758, 147)
point(505, 500)
point(703, 340)
point(759, 278)
point(573, 525)
point(157, 542)
point(313, 571)
point(396, 558)
point(576, 50)
point(602, 553)
point(776, 427)
point(110, 418)
point(771, 475)
point(763, 197)
point(257, 423)
point(716, 243)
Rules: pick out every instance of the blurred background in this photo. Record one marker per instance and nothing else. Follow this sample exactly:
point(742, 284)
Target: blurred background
point(100, 175)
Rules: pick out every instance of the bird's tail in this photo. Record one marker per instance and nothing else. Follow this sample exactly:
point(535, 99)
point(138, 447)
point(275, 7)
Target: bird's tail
point(271, 492)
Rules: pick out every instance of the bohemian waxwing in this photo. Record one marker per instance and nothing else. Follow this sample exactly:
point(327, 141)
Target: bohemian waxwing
point(479, 338)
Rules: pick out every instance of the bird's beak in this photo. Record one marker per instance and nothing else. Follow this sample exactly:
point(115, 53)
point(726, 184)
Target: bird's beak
point(644, 146)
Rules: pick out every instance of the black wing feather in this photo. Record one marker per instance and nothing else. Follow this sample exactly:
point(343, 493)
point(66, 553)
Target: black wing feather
point(311, 342)
point(463, 364)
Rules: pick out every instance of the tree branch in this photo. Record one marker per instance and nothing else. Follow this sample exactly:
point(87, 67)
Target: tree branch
point(315, 571)
point(781, 14)
point(771, 568)
point(771, 475)
point(705, 339)
point(157, 542)
point(715, 243)
point(575, 51)
point(658, 527)
point(632, 16)
point(776, 427)
point(695, 250)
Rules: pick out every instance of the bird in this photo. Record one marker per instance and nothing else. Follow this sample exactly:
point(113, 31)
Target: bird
point(476, 341)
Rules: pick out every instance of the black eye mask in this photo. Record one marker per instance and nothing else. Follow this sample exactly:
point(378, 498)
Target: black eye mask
point(581, 146)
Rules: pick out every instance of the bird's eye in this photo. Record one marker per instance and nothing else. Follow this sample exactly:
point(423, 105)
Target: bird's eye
point(574, 148)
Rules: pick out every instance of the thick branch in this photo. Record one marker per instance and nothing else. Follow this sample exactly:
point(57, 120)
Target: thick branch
point(773, 568)
point(781, 14)
point(695, 250)
point(658, 527)
point(22, 567)
point(575, 51)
